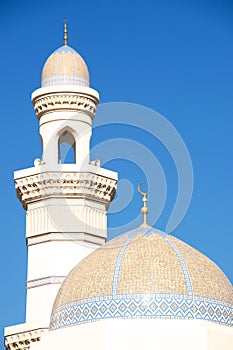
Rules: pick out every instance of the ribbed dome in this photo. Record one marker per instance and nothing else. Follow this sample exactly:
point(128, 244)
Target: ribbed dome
point(144, 273)
point(65, 66)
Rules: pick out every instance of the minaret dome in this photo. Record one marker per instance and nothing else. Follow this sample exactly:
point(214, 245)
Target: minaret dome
point(65, 67)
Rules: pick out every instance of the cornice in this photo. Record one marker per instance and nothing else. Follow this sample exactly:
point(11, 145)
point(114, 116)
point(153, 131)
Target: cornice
point(64, 101)
point(22, 340)
point(65, 184)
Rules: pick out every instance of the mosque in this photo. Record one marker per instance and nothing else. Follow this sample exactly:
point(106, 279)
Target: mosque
point(144, 289)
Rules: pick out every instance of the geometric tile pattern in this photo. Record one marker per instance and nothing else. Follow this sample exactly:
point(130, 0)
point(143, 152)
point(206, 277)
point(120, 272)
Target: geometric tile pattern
point(131, 270)
point(142, 306)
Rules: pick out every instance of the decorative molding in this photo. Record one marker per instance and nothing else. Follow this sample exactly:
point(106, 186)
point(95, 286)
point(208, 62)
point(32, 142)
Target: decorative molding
point(65, 102)
point(44, 281)
point(22, 341)
point(65, 184)
point(66, 218)
point(66, 236)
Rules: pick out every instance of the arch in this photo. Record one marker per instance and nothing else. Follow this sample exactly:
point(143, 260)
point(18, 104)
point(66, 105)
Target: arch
point(66, 147)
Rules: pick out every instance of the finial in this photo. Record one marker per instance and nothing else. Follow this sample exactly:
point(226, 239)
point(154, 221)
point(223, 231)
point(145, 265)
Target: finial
point(65, 32)
point(144, 209)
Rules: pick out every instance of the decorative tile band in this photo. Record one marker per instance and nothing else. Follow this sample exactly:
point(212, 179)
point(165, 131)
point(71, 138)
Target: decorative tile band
point(142, 306)
point(64, 79)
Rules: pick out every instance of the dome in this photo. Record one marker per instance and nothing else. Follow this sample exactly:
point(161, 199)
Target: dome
point(65, 66)
point(144, 274)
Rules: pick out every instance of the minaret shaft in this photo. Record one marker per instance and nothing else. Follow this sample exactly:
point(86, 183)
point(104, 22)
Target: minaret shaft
point(66, 204)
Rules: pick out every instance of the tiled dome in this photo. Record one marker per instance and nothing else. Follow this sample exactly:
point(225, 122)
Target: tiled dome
point(65, 66)
point(144, 273)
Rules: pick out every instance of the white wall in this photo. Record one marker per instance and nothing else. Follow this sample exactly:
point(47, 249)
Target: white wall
point(140, 334)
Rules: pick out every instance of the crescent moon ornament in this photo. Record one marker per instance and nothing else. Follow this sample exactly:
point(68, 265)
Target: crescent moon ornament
point(144, 209)
point(140, 191)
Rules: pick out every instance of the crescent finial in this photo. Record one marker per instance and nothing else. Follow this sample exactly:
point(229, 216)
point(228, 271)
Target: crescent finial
point(140, 191)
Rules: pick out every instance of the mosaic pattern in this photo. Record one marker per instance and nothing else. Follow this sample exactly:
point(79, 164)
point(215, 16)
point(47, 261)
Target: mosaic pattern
point(144, 273)
point(118, 264)
point(65, 66)
point(184, 267)
point(207, 278)
point(142, 306)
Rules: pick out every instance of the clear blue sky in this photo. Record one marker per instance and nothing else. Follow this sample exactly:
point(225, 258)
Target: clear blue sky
point(175, 57)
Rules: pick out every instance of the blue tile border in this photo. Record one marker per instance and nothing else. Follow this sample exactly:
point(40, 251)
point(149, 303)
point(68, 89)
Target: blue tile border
point(151, 305)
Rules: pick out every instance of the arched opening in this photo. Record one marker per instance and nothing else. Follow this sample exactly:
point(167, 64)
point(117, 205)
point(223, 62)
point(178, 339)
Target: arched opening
point(66, 148)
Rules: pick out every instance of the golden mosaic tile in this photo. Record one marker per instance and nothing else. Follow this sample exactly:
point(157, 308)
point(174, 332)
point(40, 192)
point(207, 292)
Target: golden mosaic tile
point(150, 265)
point(65, 63)
point(50, 66)
point(206, 277)
point(81, 67)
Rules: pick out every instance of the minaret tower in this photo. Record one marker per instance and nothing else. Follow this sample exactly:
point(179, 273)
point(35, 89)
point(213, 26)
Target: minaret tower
point(66, 197)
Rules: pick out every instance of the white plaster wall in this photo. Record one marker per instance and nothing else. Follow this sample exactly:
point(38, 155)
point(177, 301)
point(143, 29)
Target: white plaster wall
point(138, 334)
point(40, 302)
point(220, 338)
point(50, 259)
point(64, 88)
point(55, 258)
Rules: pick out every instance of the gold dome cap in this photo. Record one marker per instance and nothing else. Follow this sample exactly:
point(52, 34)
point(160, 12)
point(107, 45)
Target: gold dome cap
point(65, 67)
point(144, 273)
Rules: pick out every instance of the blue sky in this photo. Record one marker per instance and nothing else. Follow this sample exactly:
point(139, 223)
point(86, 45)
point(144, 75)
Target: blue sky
point(175, 57)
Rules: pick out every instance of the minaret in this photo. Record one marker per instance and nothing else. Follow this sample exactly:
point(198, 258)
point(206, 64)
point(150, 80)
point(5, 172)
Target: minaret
point(66, 197)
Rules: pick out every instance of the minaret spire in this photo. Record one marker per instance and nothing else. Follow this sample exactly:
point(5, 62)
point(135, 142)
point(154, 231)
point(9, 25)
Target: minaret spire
point(144, 209)
point(65, 32)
